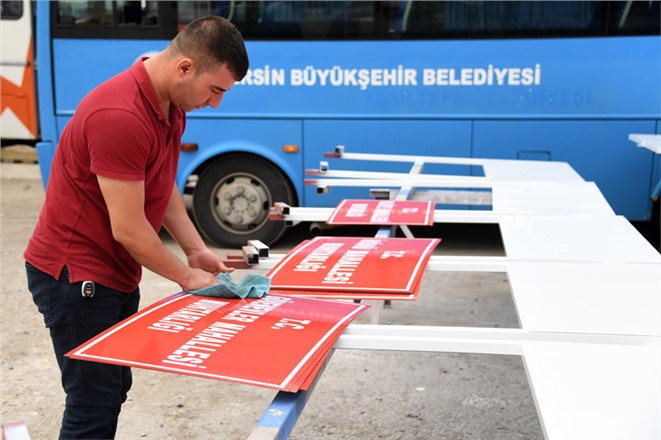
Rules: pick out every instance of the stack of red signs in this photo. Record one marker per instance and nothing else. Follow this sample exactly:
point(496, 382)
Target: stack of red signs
point(275, 341)
point(354, 267)
point(383, 212)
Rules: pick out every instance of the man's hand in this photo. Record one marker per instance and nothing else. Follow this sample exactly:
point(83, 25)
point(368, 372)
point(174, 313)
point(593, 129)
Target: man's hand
point(198, 279)
point(209, 262)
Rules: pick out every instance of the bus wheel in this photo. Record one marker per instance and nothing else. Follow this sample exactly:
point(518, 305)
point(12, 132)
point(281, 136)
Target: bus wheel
point(232, 199)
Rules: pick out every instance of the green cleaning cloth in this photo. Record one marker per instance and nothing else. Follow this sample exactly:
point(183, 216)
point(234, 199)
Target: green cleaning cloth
point(251, 286)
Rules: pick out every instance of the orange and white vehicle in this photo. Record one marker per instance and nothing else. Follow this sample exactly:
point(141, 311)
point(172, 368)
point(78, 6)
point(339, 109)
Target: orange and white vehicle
point(18, 102)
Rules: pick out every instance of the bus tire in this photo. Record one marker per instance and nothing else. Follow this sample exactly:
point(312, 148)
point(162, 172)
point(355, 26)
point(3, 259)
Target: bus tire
point(233, 197)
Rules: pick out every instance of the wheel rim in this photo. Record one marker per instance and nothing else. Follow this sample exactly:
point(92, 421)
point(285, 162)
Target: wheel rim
point(240, 203)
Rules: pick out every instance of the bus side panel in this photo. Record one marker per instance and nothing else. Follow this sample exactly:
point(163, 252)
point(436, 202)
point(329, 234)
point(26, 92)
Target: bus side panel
point(409, 137)
point(45, 91)
point(656, 173)
point(513, 79)
point(599, 150)
point(264, 138)
point(656, 178)
point(61, 122)
point(45, 153)
point(81, 65)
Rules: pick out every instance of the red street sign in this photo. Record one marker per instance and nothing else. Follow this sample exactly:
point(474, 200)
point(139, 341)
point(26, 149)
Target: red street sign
point(275, 341)
point(349, 294)
point(383, 212)
point(354, 264)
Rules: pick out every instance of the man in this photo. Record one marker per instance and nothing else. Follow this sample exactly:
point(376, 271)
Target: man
point(111, 189)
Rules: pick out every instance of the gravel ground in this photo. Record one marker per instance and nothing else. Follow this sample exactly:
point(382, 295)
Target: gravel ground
point(361, 394)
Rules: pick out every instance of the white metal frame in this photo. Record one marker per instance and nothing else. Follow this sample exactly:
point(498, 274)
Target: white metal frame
point(585, 284)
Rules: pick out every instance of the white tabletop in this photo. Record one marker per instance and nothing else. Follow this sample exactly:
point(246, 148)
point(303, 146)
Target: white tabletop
point(537, 199)
point(532, 170)
point(596, 391)
point(650, 141)
point(575, 238)
point(589, 298)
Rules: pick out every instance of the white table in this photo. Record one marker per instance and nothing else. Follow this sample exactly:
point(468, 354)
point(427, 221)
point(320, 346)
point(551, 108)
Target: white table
point(584, 282)
point(596, 391)
point(572, 238)
point(650, 141)
point(587, 298)
point(653, 143)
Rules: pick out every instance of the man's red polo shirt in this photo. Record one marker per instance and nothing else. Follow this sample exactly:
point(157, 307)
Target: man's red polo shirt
point(118, 131)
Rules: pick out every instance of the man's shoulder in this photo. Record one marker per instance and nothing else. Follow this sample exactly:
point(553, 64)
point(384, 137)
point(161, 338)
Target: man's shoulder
point(119, 96)
point(120, 88)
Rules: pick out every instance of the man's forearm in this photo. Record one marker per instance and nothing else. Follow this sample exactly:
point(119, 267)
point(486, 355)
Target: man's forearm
point(146, 247)
point(181, 228)
point(130, 227)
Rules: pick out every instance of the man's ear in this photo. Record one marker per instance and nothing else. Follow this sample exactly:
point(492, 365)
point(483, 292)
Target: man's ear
point(185, 67)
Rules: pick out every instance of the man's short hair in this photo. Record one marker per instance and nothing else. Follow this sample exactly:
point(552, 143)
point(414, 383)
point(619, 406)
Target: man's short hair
point(213, 40)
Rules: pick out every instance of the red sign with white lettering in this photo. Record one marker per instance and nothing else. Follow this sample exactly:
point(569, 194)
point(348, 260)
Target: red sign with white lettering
point(383, 212)
point(275, 341)
point(328, 294)
point(354, 264)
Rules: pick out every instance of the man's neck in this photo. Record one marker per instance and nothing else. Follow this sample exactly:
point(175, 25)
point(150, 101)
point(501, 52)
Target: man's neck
point(155, 67)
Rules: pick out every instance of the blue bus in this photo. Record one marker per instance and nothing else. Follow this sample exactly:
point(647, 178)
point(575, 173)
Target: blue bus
point(541, 80)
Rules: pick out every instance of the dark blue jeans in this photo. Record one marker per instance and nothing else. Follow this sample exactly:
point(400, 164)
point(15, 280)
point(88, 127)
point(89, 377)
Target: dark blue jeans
point(94, 391)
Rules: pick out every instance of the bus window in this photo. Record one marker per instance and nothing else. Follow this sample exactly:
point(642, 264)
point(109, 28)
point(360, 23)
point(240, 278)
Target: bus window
point(637, 17)
point(286, 20)
point(415, 19)
point(501, 19)
point(525, 19)
point(95, 13)
point(427, 20)
point(189, 11)
point(112, 19)
point(77, 13)
point(136, 13)
point(11, 10)
point(318, 20)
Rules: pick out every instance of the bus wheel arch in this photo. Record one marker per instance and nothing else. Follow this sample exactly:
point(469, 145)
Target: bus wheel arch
point(233, 196)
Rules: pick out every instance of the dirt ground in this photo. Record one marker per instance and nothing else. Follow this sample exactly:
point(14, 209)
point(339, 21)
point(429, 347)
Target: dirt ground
point(361, 394)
